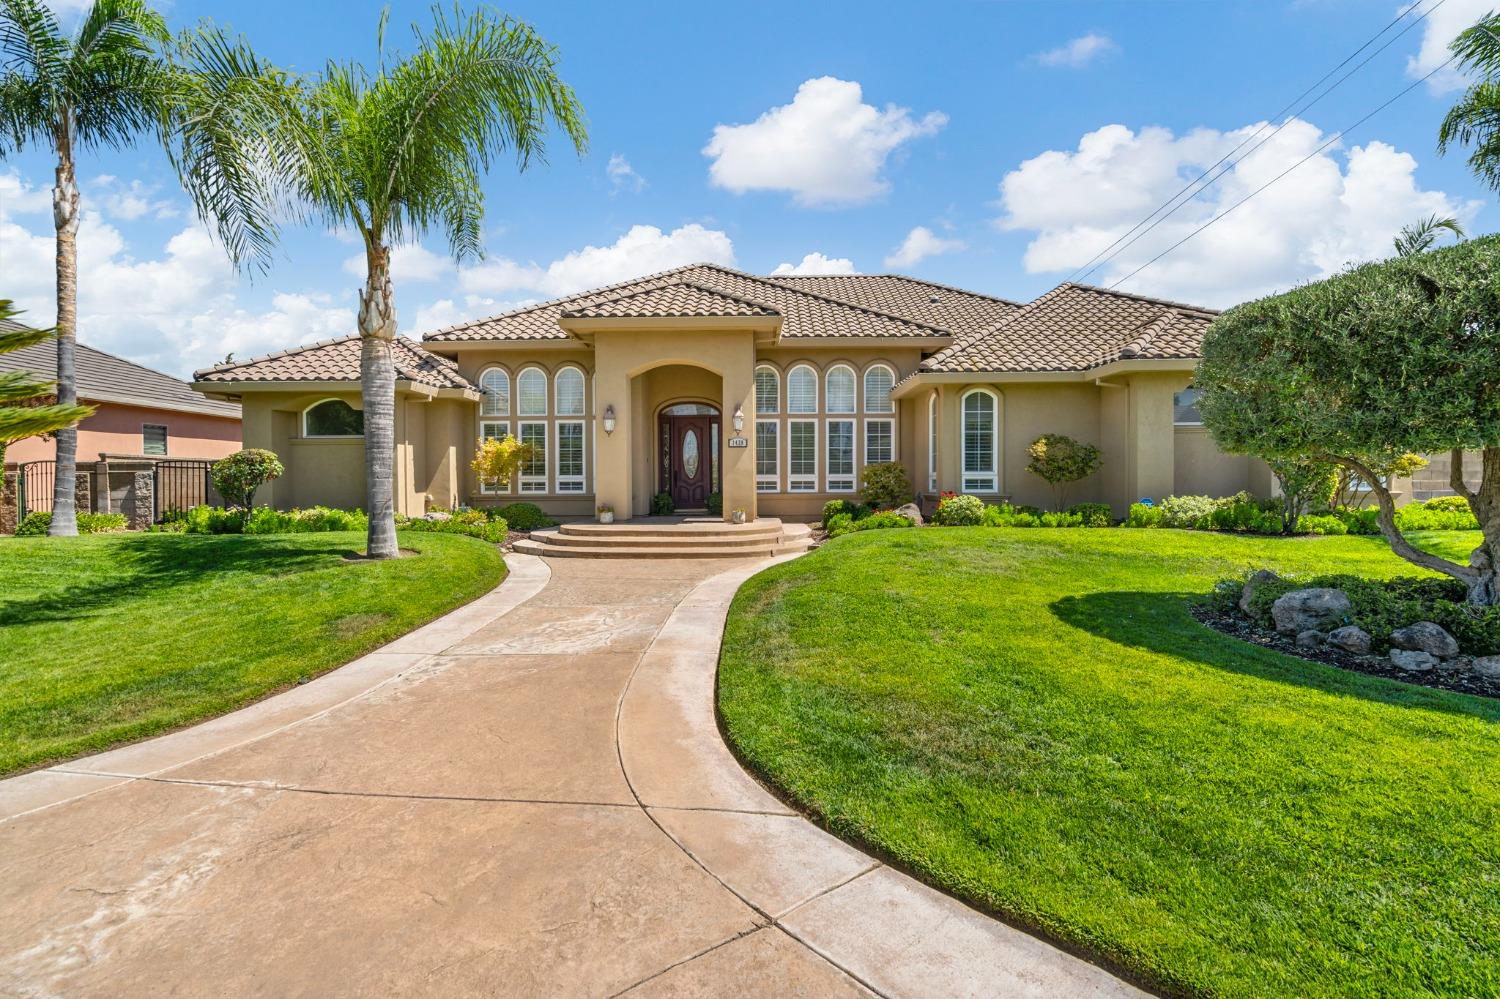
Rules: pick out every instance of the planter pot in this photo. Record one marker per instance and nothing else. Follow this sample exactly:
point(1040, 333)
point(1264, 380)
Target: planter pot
point(607, 518)
point(737, 517)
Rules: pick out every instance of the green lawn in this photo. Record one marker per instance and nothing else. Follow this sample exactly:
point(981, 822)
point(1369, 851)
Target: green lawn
point(108, 638)
point(1032, 720)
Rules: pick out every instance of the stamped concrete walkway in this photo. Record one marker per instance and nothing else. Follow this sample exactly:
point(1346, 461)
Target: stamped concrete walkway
point(527, 797)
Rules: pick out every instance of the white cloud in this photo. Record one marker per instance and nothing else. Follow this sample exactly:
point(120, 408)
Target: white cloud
point(644, 249)
point(19, 198)
point(1439, 28)
point(1335, 209)
point(450, 312)
point(411, 262)
point(817, 263)
point(1078, 52)
point(920, 244)
point(128, 202)
point(827, 147)
point(622, 176)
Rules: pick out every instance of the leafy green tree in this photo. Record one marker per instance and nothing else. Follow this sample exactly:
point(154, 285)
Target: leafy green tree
point(238, 476)
point(1421, 236)
point(1306, 485)
point(390, 154)
point(24, 407)
point(1388, 358)
point(1060, 460)
point(1475, 120)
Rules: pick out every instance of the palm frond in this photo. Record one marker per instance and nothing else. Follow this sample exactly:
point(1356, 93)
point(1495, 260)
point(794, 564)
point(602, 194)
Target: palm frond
point(20, 422)
point(1475, 120)
point(1420, 236)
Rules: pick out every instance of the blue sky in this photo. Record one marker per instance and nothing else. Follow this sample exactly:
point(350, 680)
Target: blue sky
point(1000, 144)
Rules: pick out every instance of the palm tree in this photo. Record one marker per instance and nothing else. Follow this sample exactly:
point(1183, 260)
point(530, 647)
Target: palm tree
point(99, 86)
point(1475, 119)
point(1419, 236)
point(24, 410)
point(389, 154)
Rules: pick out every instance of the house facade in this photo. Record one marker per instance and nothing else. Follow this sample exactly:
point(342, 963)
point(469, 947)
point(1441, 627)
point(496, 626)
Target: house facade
point(773, 392)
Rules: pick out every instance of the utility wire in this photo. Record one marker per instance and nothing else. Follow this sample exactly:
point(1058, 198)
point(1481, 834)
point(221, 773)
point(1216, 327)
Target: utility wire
point(1332, 139)
point(1128, 238)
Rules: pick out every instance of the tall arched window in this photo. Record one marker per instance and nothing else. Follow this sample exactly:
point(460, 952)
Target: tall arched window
point(767, 390)
point(981, 445)
point(840, 397)
point(879, 380)
point(495, 384)
point(570, 392)
point(332, 418)
point(531, 393)
point(802, 390)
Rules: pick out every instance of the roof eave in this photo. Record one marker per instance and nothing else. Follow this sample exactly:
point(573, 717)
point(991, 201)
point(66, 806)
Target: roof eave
point(767, 329)
point(913, 383)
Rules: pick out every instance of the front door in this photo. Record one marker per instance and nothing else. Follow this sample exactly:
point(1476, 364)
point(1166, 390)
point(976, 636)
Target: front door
point(690, 472)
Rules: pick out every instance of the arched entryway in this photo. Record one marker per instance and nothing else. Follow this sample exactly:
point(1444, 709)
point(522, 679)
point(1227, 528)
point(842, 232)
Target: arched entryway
point(688, 459)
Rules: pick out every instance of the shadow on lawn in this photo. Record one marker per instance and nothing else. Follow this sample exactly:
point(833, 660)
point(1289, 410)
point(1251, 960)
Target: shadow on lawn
point(158, 562)
point(1161, 622)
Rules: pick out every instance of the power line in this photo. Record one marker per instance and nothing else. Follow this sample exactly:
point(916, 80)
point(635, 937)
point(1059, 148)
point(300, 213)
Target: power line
point(1331, 140)
point(1130, 237)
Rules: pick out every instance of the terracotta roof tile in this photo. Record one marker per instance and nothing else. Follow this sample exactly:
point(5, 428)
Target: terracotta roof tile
point(337, 361)
point(953, 309)
point(679, 299)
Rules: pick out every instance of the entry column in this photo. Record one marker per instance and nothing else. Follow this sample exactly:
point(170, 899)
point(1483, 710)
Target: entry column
point(739, 462)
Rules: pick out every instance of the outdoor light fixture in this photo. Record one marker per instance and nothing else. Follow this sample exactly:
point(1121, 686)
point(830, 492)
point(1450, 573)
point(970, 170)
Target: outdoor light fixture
point(739, 418)
point(609, 419)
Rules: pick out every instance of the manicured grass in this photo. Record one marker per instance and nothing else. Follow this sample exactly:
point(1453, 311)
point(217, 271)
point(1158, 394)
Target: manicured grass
point(109, 638)
point(1032, 720)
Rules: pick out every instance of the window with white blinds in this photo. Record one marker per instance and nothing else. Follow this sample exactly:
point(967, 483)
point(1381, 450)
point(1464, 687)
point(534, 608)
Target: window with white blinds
point(840, 390)
point(802, 390)
point(494, 430)
point(879, 380)
point(802, 456)
point(880, 441)
point(534, 471)
point(840, 456)
point(531, 393)
point(495, 384)
point(569, 392)
point(979, 447)
point(570, 456)
point(767, 390)
point(767, 456)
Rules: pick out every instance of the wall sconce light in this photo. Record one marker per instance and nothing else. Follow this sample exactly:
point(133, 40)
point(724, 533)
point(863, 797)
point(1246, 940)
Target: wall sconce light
point(609, 419)
point(739, 418)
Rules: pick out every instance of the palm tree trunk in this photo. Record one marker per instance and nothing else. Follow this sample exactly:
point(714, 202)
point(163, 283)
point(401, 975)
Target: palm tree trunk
point(377, 373)
point(65, 220)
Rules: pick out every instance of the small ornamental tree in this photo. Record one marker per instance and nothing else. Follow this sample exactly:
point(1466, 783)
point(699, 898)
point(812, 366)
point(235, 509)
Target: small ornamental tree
point(497, 459)
point(1306, 485)
point(1061, 460)
point(238, 476)
point(1360, 369)
point(1351, 492)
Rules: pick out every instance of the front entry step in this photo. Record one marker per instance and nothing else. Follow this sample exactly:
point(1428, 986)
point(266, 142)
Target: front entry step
point(686, 538)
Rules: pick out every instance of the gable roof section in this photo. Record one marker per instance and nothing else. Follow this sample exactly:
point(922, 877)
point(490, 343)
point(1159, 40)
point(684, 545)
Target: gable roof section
point(680, 299)
point(337, 361)
point(804, 313)
point(953, 309)
point(103, 377)
point(1075, 327)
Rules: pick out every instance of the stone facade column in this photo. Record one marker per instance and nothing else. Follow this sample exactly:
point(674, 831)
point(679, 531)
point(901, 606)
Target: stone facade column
point(9, 503)
point(83, 490)
point(139, 506)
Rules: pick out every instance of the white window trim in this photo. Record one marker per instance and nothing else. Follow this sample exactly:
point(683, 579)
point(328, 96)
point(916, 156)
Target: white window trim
point(865, 387)
point(988, 479)
point(889, 421)
point(1185, 423)
point(811, 479)
point(774, 374)
point(817, 389)
point(485, 489)
point(328, 437)
point(583, 384)
point(853, 390)
point(932, 443)
point(560, 480)
point(763, 481)
point(530, 482)
point(520, 410)
point(853, 474)
point(509, 385)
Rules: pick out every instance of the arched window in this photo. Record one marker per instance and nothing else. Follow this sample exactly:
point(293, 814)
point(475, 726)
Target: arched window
point(840, 397)
point(981, 428)
point(569, 399)
point(767, 390)
point(332, 418)
point(531, 393)
point(879, 380)
point(495, 384)
point(802, 390)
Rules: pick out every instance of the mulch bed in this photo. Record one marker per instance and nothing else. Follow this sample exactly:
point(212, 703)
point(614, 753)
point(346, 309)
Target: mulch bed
point(1238, 626)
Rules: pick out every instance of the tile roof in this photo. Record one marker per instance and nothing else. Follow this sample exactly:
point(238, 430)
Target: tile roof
point(337, 361)
point(1075, 327)
point(103, 377)
point(804, 313)
point(679, 299)
point(953, 309)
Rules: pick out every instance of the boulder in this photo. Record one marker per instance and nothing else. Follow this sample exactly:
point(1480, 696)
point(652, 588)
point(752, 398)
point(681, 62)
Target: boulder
point(1321, 608)
point(1257, 578)
point(1350, 638)
point(1412, 662)
point(1310, 639)
point(1424, 636)
point(911, 512)
point(1486, 666)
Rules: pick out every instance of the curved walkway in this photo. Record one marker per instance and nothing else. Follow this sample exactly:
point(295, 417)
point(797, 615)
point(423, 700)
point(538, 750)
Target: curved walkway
point(526, 797)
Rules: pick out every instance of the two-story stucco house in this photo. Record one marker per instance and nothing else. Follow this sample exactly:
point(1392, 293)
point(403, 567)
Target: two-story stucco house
point(771, 391)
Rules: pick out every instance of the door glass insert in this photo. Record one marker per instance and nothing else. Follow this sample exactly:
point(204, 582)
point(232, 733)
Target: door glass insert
point(690, 454)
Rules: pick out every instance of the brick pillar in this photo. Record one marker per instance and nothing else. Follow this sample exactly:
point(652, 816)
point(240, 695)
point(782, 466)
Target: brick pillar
point(9, 503)
point(138, 512)
point(83, 492)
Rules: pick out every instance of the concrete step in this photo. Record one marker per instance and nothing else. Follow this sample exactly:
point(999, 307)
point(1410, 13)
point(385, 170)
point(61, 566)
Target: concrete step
point(569, 540)
point(706, 529)
point(643, 550)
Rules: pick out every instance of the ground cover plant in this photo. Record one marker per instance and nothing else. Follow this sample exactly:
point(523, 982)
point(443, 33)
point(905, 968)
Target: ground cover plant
point(37, 522)
point(1034, 721)
point(111, 638)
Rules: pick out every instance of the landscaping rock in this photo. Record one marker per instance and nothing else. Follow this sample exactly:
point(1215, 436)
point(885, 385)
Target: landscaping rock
point(1257, 578)
point(1412, 662)
point(911, 512)
point(1486, 666)
point(1350, 638)
point(1321, 608)
point(1310, 639)
point(1424, 636)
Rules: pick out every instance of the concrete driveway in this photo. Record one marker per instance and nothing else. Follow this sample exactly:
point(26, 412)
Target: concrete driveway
point(527, 797)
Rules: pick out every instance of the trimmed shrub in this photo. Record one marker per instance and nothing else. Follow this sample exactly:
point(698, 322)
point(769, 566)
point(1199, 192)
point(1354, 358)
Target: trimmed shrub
point(238, 476)
point(959, 511)
point(316, 519)
point(1145, 515)
point(1320, 523)
point(1006, 515)
point(485, 529)
point(839, 523)
point(884, 520)
point(884, 485)
point(662, 505)
point(524, 517)
point(1187, 511)
point(1446, 503)
point(1445, 517)
point(1093, 514)
point(838, 506)
point(36, 523)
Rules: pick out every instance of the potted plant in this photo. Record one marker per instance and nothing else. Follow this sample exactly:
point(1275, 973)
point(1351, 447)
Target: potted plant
point(737, 515)
point(606, 513)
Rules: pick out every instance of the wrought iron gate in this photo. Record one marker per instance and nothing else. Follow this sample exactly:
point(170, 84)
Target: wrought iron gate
point(34, 487)
point(181, 484)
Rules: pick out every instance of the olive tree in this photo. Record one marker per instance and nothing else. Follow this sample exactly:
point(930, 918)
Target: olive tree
point(1359, 369)
point(1059, 460)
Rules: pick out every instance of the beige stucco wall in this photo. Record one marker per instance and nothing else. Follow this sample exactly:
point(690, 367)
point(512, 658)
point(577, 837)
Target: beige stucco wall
point(1203, 470)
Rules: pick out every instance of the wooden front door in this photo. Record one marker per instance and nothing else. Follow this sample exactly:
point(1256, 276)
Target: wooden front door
point(690, 460)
